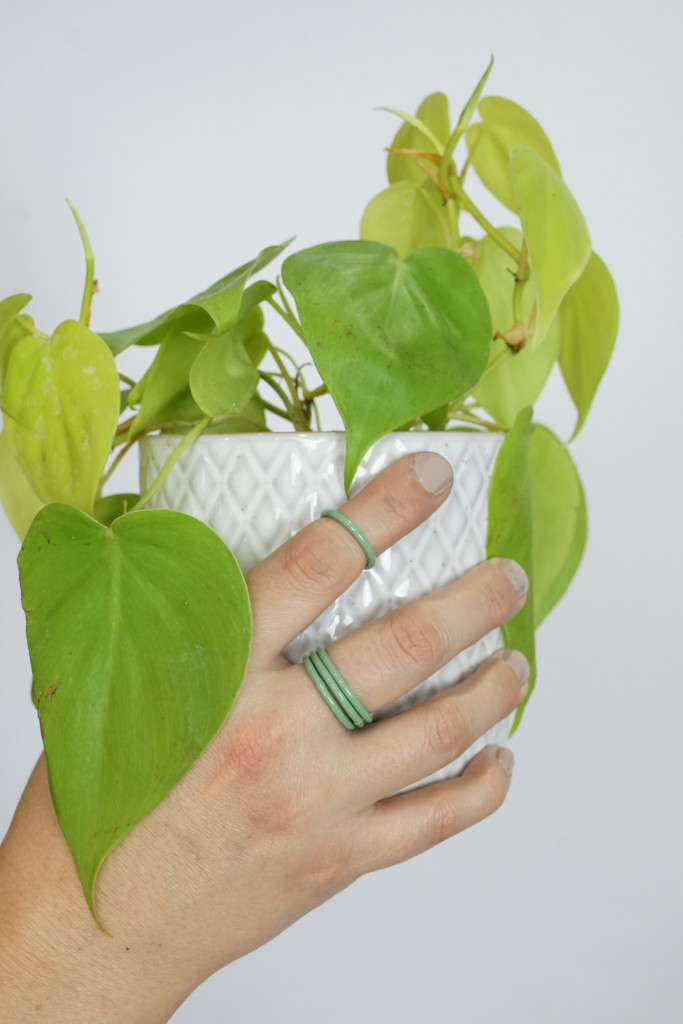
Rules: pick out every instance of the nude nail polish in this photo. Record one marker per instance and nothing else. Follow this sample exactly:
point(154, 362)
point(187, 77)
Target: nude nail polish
point(432, 472)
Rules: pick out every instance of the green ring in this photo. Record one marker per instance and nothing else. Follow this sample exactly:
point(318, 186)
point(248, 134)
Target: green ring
point(333, 513)
point(335, 689)
point(326, 695)
point(343, 685)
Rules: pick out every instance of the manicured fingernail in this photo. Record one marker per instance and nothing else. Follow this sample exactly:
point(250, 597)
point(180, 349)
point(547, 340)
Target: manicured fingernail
point(515, 574)
point(506, 759)
point(518, 664)
point(432, 472)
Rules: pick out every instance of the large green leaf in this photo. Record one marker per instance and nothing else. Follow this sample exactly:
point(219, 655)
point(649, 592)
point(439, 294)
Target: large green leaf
point(490, 142)
point(408, 216)
point(589, 317)
point(139, 636)
point(223, 378)
point(391, 338)
point(214, 311)
point(514, 380)
point(433, 114)
point(509, 535)
point(12, 329)
point(61, 403)
point(18, 500)
point(559, 519)
point(554, 230)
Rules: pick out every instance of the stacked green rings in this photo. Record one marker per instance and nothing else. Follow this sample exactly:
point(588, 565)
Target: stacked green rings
point(335, 691)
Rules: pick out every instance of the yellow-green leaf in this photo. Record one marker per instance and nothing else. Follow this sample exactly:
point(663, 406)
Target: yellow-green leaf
point(18, 500)
point(408, 216)
point(589, 318)
point(490, 142)
point(433, 114)
point(61, 406)
point(560, 523)
point(554, 230)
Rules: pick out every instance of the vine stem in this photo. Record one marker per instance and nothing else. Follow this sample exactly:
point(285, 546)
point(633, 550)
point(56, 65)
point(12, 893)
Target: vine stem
point(182, 446)
point(89, 268)
point(474, 211)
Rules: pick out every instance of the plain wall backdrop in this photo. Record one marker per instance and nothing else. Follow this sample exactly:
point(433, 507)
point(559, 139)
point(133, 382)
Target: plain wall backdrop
point(190, 135)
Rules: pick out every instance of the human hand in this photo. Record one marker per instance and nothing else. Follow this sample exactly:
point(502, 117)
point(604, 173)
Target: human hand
point(284, 808)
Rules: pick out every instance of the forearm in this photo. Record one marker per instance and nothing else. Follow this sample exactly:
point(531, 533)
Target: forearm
point(57, 965)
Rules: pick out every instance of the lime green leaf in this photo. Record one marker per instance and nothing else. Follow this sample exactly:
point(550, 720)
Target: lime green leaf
point(559, 519)
point(61, 401)
point(12, 329)
point(515, 380)
point(18, 500)
point(223, 378)
point(509, 535)
point(164, 392)
point(214, 311)
point(589, 318)
point(428, 131)
point(408, 216)
point(251, 419)
point(139, 637)
point(108, 509)
point(555, 232)
point(391, 338)
point(490, 142)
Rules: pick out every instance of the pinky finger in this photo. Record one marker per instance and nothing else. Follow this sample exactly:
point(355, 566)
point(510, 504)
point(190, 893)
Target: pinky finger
point(410, 823)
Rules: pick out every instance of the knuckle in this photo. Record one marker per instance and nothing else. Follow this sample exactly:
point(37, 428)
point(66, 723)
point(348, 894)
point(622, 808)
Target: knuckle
point(327, 874)
point(416, 636)
point(253, 752)
point(441, 821)
point(314, 560)
point(496, 593)
point(448, 734)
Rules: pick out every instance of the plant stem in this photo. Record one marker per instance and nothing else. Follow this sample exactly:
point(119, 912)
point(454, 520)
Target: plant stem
point(494, 233)
point(469, 417)
point(105, 476)
point(270, 379)
point(288, 317)
point(276, 412)
point(191, 436)
point(126, 380)
point(89, 268)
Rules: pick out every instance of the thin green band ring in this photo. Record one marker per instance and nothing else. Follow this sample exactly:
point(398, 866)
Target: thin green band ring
point(336, 690)
point(338, 678)
point(333, 513)
point(326, 695)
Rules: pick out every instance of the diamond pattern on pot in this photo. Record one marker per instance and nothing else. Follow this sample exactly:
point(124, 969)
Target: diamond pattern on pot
point(257, 490)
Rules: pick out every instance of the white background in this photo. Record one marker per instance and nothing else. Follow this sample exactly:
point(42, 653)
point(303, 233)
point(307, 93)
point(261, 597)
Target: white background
point(191, 135)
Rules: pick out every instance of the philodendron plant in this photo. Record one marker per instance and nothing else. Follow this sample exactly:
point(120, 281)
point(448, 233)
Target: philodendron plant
point(138, 620)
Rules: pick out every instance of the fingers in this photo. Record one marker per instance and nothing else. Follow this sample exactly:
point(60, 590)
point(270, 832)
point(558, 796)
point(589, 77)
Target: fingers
point(410, 823)
point(290, 588)
point(387, 658)
point(410, 746)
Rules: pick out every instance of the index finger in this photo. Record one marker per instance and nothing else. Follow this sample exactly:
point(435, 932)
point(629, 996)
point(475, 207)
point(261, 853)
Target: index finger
point(292, 587)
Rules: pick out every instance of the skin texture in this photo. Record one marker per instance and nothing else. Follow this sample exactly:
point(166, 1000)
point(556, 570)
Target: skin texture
point(285, 808)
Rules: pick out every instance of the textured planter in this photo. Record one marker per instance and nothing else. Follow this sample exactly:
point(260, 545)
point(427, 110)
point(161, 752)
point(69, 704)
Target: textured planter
point(256, 490)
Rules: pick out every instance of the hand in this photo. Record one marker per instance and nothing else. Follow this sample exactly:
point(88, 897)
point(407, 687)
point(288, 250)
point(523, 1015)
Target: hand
point(285, 807)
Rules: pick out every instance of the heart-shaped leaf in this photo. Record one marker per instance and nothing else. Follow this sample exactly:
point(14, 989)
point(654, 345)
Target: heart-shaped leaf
point(214, 311)
point(554, 229)
point(509, 535)
point(589, 317)
point(18, 500)
point(559, 516)
point(391, 338)
point(61, 403)
point(490, 142)
point(407, 216)
point(223, 378)
point(432, 115)
point(139, 637)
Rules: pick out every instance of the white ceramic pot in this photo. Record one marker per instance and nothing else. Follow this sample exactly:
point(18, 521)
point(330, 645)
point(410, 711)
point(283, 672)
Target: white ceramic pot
point(256, 490)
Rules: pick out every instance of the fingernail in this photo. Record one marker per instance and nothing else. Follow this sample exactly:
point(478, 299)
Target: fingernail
point(506, 759)
point(518, 664)
point(432, 472)
point(515, 574)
